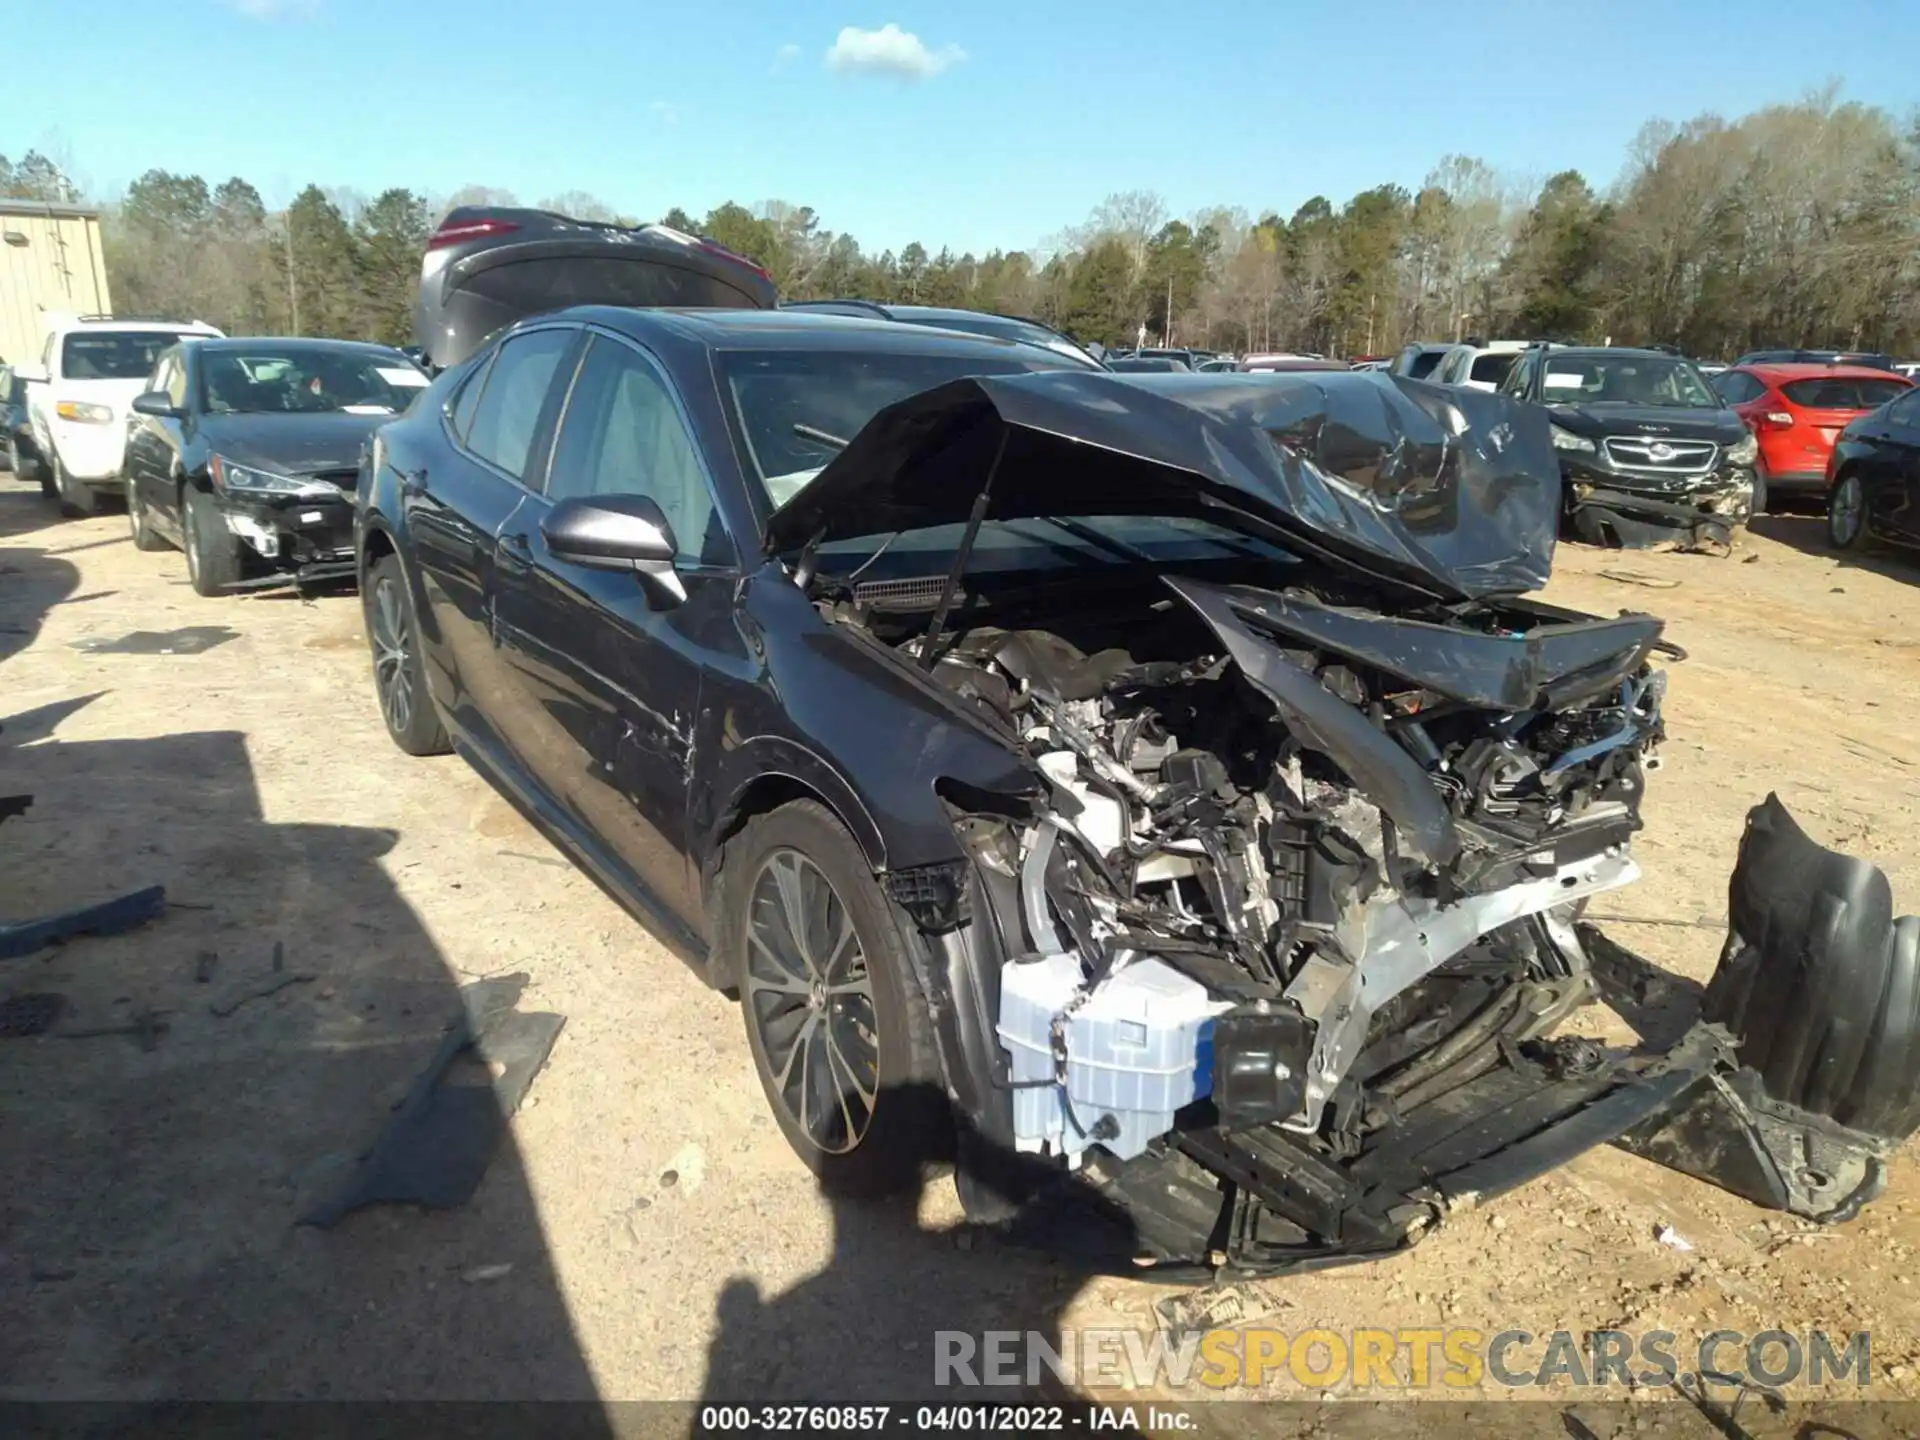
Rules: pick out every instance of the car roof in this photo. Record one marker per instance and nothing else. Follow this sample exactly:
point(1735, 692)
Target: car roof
point(784, 329)
point(219, 344)
point(1631, 352)
point(169, 327)
point(1787, 371)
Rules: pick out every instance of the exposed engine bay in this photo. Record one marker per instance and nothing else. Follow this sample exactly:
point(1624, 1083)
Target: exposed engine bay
point(1251, 961)
point(1212, 908)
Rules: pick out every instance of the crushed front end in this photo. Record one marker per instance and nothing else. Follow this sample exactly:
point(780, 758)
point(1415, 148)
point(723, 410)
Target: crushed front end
point(1285, 937)
point(1641, 493)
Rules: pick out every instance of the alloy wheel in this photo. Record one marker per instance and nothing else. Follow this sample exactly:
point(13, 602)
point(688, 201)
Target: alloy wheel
point(391, 637)
point(809, 995)
point(1845, 512)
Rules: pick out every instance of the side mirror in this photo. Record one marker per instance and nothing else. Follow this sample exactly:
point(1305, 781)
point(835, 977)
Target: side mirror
point(155, 403)
point(617, 532)
point(32, 374)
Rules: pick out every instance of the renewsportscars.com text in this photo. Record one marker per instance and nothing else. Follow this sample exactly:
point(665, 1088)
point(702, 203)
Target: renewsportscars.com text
point(1401, 1359)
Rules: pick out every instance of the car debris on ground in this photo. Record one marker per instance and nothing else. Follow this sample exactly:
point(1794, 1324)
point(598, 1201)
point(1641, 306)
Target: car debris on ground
point(436, 1148)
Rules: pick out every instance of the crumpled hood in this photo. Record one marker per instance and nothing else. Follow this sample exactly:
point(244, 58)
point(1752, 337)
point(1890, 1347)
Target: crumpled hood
point(292, 444)
point(1450, 493)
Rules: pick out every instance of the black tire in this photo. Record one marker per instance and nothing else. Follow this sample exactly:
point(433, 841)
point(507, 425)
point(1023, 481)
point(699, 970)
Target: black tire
point(1847, 514)
point(393, 635)
point(44, 473)
point(907, 1127)
point(213, 554)
point(76, 500)
point(1759, 492)
point(145, 537)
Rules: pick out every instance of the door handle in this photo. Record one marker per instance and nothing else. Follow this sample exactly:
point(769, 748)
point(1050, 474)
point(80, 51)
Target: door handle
point(514, 552)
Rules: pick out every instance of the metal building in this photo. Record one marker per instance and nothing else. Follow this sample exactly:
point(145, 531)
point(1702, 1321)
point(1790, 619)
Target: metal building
point(50, 262)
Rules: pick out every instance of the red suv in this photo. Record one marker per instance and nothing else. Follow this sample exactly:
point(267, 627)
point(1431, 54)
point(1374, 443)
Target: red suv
point(1796, 411)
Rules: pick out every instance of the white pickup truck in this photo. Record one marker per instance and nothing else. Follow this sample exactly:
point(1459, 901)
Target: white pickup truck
point(79, 398)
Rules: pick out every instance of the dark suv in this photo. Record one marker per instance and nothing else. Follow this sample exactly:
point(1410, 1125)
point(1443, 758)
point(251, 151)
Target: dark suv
point(1649, 451)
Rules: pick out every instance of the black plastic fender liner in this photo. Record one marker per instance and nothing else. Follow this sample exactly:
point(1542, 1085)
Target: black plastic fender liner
point(1819, 983)
point(1818, 994)
point(1323, 722)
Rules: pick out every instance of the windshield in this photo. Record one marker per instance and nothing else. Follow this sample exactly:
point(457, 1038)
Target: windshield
point(1626, 380)
point(1843, 392)
point(308, 379)
point(112, 354)
point(797, 408)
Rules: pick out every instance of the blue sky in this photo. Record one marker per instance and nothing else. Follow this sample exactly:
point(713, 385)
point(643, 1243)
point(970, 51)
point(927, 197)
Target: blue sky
point(976, 125)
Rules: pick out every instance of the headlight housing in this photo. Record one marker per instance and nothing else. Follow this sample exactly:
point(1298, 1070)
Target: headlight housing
point(83, 412)
point(1744, 451)
point(1567, 440)
point(247, 480)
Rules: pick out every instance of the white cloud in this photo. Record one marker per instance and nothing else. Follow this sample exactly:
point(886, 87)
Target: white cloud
point(889, 51)
point(275, 9)
point(665, 111)
point(786, 56)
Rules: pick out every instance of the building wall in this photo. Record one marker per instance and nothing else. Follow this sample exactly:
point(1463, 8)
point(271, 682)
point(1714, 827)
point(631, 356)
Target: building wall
point(59, 269)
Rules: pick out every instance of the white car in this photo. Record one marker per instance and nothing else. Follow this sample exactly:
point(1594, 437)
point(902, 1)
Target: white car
point(1478, 367)
point(79, 400)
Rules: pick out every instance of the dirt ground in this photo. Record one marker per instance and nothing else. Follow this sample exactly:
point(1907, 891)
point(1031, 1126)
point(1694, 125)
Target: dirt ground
point(646, 1233)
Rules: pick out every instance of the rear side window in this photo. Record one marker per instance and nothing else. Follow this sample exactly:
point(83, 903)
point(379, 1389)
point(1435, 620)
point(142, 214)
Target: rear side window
point(1422, 365)
point(461, 414)
point(1492, 369)
point(1841, 393)
point(1735, 387)
point(507, 415)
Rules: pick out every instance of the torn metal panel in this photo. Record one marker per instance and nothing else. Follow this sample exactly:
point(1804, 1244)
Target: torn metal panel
point(1635, 521)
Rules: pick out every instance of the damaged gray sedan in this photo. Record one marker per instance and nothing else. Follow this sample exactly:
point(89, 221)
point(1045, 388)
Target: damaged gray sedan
point(1152, 793)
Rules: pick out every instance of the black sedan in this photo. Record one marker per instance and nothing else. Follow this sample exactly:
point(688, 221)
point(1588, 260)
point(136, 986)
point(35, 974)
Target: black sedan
point(1148, 791)
point(243, 453)
point(1874, 477)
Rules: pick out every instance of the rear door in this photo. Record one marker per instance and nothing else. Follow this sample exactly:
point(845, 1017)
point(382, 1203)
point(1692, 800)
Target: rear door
point(1893, 492)
point(616, 674)
point(456, 502)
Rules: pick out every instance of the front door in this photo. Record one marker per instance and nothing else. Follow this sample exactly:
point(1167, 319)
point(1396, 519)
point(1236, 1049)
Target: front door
point(617, 670)
point(456, 505)
point(1893, 482)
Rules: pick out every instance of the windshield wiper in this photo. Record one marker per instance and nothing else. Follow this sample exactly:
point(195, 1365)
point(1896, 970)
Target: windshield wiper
point(809, 432)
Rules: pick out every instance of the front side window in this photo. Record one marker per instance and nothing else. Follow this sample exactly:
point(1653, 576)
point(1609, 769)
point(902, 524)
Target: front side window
point(506, 419)
point(112, 354)
point(622, 435)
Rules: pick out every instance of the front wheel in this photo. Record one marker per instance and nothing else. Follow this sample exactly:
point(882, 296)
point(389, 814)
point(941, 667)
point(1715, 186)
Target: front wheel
point(213, 554)
point(140, 524)
point(839, 1031)
point(399, 676)
point(76, 499)
point(1847, 514)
